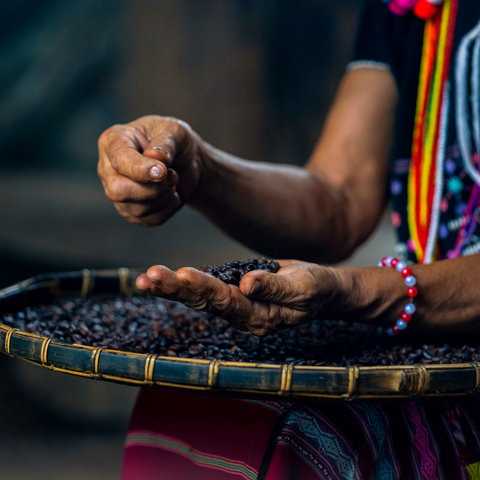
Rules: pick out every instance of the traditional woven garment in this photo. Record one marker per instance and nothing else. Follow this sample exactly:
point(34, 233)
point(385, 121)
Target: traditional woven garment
point(436, 199)
point(435, 181)
point(182, 436)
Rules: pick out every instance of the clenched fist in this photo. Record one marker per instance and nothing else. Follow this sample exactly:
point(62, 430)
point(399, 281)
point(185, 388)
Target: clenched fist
point(149, 168)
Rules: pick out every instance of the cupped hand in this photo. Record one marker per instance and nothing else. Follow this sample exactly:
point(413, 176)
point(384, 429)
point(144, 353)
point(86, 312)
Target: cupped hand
point(149, 168)
point(263, 303)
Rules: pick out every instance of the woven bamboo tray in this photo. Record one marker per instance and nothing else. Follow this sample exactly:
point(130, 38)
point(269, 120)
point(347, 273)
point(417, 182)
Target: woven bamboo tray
point(255, 380)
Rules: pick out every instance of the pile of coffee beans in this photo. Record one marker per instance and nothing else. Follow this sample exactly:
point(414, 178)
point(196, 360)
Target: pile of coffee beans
point(146, 324)
point(233, 272)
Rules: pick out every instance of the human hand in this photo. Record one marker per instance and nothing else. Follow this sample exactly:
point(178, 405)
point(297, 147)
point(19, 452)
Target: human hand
point(264, 302)
point(149, 168)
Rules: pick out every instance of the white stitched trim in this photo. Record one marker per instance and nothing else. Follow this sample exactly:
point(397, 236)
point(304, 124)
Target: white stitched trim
point(437, 194)
point(475, 98)
point(357, 64)
point(461, 98)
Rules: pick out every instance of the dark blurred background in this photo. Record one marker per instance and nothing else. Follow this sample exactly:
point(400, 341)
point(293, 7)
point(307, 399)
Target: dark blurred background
point(253, 78)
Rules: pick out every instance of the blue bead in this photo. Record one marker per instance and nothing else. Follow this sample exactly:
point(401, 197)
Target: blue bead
point(409, 308)
point(443, 231)
point(450, 166)
point(380, 264)
point(400, 266)
point(460, 208)
point(379, 330)
point(390, 332)
point(410, 281)
point(401, 324)
point(396, 187)
point(455, 185)
point(388, 261)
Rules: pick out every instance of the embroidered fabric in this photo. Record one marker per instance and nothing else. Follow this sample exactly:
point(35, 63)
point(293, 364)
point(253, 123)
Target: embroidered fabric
point(462, 96)
point(324, 440)
point(375, 425)
point(473, 471)
point(420, 438)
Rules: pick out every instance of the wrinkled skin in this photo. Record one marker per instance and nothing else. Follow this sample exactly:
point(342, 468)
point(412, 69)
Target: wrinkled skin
point(149, 168)
point(262, 304)
point(322, 212)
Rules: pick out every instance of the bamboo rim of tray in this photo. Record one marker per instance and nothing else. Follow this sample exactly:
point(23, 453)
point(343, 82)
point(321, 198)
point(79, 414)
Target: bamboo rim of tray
point(272, 381)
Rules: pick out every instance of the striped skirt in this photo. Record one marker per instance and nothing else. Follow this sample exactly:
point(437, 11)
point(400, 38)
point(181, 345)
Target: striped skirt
point(182, 436)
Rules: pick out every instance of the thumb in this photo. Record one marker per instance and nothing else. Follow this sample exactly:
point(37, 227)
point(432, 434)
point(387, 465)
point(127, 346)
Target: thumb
point(162, 147)
point(174, 144)
point(269, 287)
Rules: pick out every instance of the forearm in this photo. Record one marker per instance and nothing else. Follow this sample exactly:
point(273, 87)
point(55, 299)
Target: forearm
point(324, 211)
point(283, 211)
point(448, 301)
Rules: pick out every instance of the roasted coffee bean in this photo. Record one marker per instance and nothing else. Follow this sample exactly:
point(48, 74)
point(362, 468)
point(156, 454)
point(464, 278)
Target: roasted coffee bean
point(195, 350)
point(275, 264)
point(146, 324)
point(233, 272)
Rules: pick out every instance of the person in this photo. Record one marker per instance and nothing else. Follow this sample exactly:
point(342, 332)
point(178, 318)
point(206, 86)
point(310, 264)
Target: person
point(411, 93)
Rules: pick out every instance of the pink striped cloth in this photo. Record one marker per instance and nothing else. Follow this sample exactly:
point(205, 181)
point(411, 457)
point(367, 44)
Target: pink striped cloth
point(184, 436)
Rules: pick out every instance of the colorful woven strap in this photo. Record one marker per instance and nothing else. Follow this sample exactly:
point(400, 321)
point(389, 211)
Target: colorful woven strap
point(431, 101)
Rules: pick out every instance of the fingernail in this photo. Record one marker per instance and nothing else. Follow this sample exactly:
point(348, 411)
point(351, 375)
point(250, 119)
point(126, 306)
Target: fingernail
point(184, 281)
point(256, 287)
point(163, 151)
point(156, 173)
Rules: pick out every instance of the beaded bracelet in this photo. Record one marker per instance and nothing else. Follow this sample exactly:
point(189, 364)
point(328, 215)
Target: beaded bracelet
point(412, 292)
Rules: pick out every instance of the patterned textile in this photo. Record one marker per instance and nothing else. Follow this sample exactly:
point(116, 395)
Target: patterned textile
point(182, 436)
point(141, 438)
point(397, 42)
point(176, 435)
point(459, 230)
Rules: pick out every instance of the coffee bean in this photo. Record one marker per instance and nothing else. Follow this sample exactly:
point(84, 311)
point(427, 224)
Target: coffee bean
point(195, 350)
point(466, 356)
point(275, 265)
point(233, 272)
point(147, 324)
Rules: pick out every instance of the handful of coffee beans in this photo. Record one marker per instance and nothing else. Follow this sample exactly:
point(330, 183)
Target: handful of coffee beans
point(233, 272)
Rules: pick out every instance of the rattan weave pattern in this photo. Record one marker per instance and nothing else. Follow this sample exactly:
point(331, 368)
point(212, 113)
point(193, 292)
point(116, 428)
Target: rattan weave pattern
point(286, 382)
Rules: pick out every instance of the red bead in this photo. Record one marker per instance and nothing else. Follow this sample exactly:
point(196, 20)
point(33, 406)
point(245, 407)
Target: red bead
point(412, 292)
point(405, 317)
point(394, 262)
point(395, 330)
point(384, 261)
point(406, 272)
point(425, 10)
